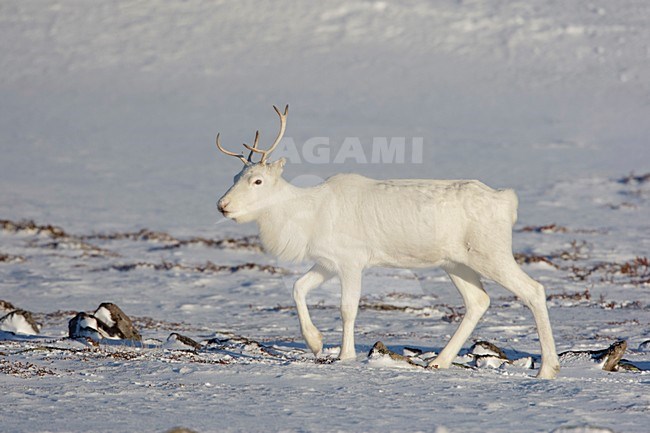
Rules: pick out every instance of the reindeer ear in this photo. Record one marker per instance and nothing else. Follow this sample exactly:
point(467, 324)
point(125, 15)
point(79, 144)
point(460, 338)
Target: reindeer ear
point(279, 164)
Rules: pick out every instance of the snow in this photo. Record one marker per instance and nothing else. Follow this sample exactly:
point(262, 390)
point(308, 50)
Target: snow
point(108, 115)
point(103, 315)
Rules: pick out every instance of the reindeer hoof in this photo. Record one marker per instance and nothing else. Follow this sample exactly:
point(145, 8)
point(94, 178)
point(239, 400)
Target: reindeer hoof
point(314, 341)
point(350, 356)
point(437, 364)
point(548, 372)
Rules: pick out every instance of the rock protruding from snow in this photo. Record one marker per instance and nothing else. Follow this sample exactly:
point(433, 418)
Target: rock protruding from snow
point(411, 351)
point(6, 307)
point(379, 350)
point(610, 357)
point(107, 322)
point(487, 355)
point(19, 322)
point(645, 346)
point(484, 355)
point(178, 341)
point(180, 430)
point(582, 429)
point(84, 325)
point(485, 348)
point(115, 324)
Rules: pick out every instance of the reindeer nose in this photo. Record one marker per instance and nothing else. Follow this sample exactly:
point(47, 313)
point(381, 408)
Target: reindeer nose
point(221, 205)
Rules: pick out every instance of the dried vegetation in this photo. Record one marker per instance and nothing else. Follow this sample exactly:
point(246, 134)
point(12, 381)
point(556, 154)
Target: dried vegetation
point(58, 239)
point(575, 260)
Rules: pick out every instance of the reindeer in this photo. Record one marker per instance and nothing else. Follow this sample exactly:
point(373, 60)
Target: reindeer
point(350, 223)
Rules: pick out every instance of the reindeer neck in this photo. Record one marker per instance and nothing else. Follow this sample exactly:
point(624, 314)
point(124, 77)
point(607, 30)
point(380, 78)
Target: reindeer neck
point(285, 226)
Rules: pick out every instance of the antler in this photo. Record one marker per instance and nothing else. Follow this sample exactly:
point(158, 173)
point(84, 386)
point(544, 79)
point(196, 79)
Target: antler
point(238, 155)
point(255, 143)
point(254, 149)
point(266, 153)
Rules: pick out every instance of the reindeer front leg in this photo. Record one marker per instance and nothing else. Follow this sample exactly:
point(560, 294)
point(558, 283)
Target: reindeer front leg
point(350, 294)
point(316, 276)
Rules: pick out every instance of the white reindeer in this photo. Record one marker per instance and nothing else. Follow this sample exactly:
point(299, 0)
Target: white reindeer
point(350, 223)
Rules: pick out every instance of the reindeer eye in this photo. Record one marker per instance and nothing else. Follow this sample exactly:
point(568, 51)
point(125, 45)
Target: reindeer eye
point(258, 182)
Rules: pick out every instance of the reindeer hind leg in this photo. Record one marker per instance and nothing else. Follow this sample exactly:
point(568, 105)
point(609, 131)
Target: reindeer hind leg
point(476, 302)
point(507, 273)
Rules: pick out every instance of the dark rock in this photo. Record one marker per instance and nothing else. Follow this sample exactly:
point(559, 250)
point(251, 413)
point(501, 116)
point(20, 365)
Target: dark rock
point(6, 307)
point(183, 340)
point(610, 356)
point(180, 430)
point(9, 258)
point(626, 365)
point(115, 324)
point(411, 351)
point(380, 349)
point(20, 322)
point(108, 321)
point(84, 326)
point(487, 349)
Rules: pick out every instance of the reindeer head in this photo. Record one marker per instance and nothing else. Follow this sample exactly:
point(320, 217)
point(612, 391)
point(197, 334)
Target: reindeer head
point(256, 186)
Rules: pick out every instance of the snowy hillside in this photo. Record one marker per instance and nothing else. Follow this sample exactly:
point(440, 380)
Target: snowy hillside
point(108, 115)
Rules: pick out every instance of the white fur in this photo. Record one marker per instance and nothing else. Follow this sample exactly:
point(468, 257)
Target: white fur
point(350, 222)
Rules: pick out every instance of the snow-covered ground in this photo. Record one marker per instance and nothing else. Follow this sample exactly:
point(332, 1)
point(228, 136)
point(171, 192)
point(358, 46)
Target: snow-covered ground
point(108, 113)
